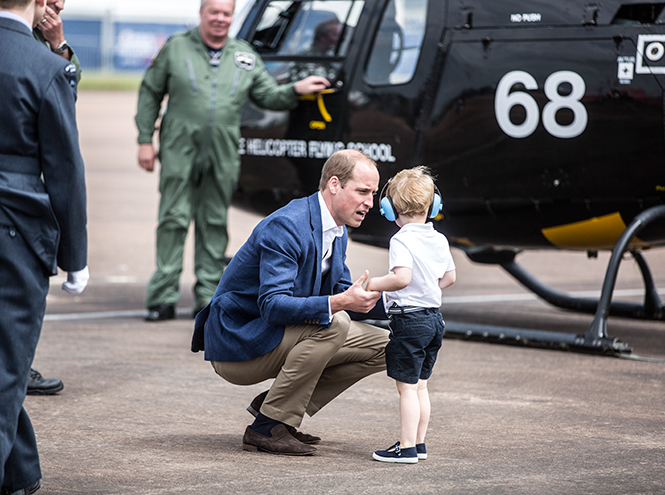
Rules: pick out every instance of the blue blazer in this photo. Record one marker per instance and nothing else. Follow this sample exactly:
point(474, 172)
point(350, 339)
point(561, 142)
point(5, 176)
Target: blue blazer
point(273, 280)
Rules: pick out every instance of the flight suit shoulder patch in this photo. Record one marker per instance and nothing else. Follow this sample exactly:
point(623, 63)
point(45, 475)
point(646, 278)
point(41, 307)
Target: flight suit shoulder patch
point(245, 60)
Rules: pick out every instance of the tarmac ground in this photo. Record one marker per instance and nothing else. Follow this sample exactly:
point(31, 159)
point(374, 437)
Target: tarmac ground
point(140, 413)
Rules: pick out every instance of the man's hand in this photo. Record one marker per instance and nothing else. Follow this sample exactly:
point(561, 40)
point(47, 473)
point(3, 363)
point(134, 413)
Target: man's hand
point(51, 26)
point(76, 281)
point(311, 84)
point(147, 157)
point(355, 298)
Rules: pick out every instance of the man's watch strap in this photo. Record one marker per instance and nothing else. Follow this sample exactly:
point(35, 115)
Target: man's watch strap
point(61, 48)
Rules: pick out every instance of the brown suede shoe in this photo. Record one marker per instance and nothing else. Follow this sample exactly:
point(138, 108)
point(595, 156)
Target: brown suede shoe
point(281, 442)
point(301, 436)
point(255, 407)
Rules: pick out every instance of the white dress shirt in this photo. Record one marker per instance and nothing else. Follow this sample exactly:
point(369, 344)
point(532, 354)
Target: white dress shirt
point(330, 231)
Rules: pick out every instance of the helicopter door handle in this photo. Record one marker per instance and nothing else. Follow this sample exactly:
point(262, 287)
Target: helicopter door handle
point(322, 108)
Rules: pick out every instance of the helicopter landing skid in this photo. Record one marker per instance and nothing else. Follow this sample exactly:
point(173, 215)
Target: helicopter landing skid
point(596, 339)
point(560, 341)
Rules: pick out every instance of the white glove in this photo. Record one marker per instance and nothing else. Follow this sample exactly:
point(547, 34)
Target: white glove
point(76, 281)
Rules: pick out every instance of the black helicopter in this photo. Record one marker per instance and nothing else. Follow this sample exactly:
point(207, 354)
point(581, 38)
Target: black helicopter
point(542, 121)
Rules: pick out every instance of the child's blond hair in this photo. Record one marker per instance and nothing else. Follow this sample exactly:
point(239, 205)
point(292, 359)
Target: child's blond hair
point(411, 191)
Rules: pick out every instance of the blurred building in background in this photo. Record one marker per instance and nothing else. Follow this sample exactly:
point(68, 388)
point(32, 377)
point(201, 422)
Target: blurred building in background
point(124, 35)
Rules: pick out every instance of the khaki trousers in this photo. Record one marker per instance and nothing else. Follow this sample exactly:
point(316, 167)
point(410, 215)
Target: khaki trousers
point(311, 366)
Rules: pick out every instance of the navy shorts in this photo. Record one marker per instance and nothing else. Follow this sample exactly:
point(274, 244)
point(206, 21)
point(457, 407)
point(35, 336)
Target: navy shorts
point(415, 340)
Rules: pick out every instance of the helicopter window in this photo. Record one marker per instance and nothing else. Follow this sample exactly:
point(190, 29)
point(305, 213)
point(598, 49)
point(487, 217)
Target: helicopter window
point(397, 43)
point(314, 28)
point(314, 35)
point(646, 13)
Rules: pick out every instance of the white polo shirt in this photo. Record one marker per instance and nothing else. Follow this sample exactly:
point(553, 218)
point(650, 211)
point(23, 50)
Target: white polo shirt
point(426, 252)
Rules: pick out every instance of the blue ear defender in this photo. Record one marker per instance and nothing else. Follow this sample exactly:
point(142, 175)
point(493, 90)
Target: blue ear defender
point(387, 209)
point(437, 205)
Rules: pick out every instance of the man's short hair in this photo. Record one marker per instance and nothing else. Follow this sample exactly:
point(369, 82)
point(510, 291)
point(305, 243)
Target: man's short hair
point(14, 4)
point(203, 2)
point(341, 164)
point(411, 191)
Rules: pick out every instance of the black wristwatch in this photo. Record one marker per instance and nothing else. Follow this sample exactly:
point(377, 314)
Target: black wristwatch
point(61, 48)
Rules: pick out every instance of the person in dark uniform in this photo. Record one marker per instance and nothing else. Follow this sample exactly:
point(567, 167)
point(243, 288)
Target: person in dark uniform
point(49, 31)
point(42, 219)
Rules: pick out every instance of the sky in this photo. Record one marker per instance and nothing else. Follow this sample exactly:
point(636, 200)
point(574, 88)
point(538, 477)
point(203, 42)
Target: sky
point(178, 10)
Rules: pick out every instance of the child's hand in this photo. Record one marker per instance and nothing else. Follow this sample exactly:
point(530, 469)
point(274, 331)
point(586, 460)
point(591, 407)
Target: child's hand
point(355, 298)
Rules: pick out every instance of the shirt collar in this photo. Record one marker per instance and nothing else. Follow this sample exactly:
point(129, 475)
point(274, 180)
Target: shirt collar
point(11, 15)
point(327, 221)
point(418, 226)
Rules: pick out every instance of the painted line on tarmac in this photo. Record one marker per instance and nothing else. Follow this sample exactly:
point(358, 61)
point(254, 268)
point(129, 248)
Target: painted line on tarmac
point(139, 313)
point(101, 315)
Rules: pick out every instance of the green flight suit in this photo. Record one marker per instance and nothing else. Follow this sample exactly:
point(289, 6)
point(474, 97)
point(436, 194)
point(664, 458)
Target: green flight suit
point(199, 138)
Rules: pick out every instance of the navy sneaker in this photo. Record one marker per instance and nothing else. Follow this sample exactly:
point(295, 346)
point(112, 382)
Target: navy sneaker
point(422, 451)
point(397, 454)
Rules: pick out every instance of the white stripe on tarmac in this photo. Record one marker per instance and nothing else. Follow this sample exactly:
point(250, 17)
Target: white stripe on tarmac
point(532, 297)
point(489, 298)
point(101, 315)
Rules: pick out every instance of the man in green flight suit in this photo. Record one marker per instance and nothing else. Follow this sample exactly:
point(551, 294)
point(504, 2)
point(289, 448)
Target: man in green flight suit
point(208, 77)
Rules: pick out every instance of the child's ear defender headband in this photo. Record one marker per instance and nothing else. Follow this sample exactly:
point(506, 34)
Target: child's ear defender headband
point(387, 209)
